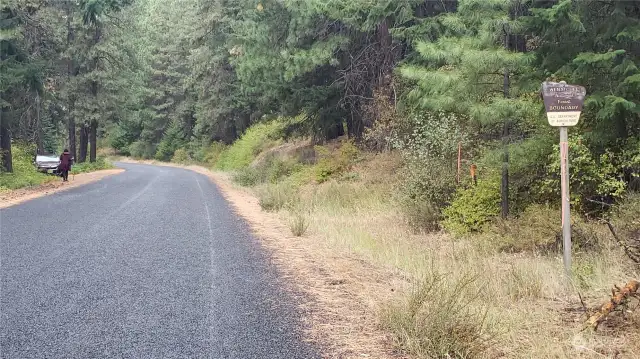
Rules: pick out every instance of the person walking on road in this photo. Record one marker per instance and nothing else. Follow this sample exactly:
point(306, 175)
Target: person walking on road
point(65, 165)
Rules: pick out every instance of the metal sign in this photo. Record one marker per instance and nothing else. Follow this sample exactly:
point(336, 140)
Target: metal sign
point(563, 103)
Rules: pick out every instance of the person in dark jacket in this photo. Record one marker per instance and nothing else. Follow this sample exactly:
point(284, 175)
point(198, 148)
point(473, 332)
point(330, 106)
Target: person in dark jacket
point(65, 165)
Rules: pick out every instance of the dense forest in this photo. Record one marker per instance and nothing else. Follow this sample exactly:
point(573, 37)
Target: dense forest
point(149, 77)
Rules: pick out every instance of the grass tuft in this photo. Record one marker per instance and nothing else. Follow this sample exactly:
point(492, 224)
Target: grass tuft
point(441, 319)
point(273, 198)
point(298, 224)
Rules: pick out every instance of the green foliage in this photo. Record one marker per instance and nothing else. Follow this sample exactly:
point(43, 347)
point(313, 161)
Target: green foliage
point(100, 164)
point(473, 207)
point(24, 173)
point(331, 164)
point(591, 178)
point(181, 156)
point(430, 152)
point(271, 170)
point(140, 149)
point(255, 140)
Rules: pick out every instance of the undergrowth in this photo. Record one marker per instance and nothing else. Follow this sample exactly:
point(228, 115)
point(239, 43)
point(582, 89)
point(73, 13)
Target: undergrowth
point(24, 173)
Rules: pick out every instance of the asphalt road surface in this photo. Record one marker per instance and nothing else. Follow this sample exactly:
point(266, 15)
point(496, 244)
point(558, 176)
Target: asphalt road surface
point(150, 263)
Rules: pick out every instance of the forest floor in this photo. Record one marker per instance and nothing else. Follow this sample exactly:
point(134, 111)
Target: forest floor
point(10, 198)
point(376, 289)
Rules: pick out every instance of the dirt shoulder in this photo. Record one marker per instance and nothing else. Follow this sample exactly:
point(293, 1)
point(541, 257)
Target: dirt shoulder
point(342, 293)
point(14, 197)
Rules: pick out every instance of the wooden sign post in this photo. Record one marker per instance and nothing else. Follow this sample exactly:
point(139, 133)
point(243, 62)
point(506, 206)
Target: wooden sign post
point(564, 104)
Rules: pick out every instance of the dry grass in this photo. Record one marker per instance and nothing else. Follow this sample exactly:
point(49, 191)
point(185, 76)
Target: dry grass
point(298, 224)
point(533, 310)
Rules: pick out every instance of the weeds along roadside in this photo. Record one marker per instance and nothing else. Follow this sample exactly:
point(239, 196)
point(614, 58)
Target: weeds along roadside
point(504, 280)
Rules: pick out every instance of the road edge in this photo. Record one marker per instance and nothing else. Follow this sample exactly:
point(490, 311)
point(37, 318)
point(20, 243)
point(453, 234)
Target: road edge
point(18, 196)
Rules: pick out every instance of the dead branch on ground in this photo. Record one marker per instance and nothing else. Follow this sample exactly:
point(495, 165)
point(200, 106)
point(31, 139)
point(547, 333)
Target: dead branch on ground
point(619, 298)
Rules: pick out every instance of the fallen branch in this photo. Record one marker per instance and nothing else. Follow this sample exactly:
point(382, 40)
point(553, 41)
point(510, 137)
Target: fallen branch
point(618, 298)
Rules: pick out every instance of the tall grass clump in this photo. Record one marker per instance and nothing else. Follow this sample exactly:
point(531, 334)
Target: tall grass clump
point(298, 223)
point(275, 197)
point(441, 318)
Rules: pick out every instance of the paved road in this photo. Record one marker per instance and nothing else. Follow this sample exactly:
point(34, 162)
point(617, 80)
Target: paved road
point(151, 263)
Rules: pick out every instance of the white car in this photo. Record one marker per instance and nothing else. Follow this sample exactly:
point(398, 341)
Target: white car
point(47, 163)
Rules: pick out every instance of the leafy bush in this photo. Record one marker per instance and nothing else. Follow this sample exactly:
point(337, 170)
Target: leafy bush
point(473, 207)
point(429, 150)
point(181, 156)
point(212, 153)
point(247, 177)
point(335, 163)
point(257, 138)
point(276, 197)
point(24, 173)
point(590, 177)
point(271, 170)
point(441, 320)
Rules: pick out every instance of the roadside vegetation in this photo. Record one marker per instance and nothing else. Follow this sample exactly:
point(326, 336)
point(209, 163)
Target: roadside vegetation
point(25, 174)
point(410, 134)
point(482, 288)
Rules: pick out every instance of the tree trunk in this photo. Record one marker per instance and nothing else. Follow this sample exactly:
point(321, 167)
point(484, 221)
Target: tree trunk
point(71, 122)
point(6, 162)
point(93, 139)
point(84, 142)
point(39, 129)
point(72, 135)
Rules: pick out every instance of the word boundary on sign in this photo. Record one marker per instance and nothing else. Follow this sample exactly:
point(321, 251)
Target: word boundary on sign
point(563, 103)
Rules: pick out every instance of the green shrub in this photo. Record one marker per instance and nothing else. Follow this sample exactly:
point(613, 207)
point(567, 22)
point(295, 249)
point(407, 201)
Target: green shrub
point(141, 149)
point(335, 163)
point(429, 147)
point(441, 320)
point(24, 173)
point(276, 197)
point(212, 153)
point(101, 163)
point(473, 207)
point(591, 177)
point(247, 177)
point(256, 139)
point(181, 156)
